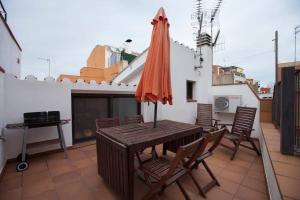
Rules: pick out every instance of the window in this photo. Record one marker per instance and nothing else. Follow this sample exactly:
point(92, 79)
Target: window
point(190, 91)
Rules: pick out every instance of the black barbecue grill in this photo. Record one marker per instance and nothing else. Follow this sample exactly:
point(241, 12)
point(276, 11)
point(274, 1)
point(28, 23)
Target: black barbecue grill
point(41, 119)
point(37, 120)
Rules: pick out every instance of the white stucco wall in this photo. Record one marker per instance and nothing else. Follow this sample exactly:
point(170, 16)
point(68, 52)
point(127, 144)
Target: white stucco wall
point(248, 98)
point(9, 52)
point(34, 96)
point(2, 152)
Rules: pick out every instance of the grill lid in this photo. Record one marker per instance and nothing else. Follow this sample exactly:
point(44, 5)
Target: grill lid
point(41, 117)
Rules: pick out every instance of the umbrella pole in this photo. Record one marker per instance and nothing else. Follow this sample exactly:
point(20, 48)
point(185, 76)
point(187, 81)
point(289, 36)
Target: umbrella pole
point(155, 114)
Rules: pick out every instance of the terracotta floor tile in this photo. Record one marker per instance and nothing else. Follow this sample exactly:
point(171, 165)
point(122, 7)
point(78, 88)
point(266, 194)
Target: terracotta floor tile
point(286, 169)
point(53, 177)
point(56, 156)
point(289, 187)
point(92, 182)
point(74, 191)
point(232, 176)
point(36, 166)
point(34, 189)
point(14, 194)
point(10, 171)
point(35, 178)
point(60, 166)
point(215, 169)
point(276, 156)
point(201, 176)
point(82, 163)
point(241, 163)
point(76, 155)
point(94, 159)
point(228, 186)
point(48, 195)
point(255, 184)
point(245, 193)
point(260, 176)
point(236, 168)
point(219, 195)
point(104, 192)
point(66, 178)
point(172, 192)
point(88, 147)
point(10, 184)
point(257, 167)
point(91, 153)
point(217, 162)
point(88, 171)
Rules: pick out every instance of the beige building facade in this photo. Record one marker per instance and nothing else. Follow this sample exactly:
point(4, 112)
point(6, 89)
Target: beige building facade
point(103, 64)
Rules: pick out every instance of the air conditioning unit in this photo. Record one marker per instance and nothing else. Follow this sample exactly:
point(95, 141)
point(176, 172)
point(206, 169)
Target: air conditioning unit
point(226, 104)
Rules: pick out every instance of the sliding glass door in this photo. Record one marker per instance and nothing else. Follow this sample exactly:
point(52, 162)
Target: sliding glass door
point(86, 108)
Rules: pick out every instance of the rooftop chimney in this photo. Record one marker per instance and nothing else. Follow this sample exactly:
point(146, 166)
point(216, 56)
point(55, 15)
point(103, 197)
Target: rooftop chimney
point(205, 39)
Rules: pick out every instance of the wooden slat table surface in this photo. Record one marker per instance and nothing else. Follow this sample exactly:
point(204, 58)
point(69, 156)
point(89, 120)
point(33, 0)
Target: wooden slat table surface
point(116, 147)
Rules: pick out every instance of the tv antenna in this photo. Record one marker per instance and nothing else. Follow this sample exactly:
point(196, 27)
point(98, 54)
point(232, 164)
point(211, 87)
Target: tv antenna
point(49, 62)
point(204, 19)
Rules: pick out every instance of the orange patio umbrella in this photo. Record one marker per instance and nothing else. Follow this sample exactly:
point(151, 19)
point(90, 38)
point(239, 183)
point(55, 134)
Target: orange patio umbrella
point(155, 82)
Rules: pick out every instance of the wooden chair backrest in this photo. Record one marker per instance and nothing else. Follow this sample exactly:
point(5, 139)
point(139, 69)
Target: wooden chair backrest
point(204, 114)
point(107, 122)
point(214, 138)
point(243, 120)
point(134, 119)
point(190, 151)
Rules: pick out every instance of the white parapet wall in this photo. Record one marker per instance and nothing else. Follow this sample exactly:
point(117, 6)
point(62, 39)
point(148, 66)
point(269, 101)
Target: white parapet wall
point(248, 98)
point(2, 152)
point(31, 95)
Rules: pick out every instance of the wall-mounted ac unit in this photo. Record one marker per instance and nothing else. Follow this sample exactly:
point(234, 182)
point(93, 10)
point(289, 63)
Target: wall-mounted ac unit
point(226, 104)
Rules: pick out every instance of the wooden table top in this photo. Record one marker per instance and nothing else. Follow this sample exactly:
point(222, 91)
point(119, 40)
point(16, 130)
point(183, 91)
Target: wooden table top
point(144, 134)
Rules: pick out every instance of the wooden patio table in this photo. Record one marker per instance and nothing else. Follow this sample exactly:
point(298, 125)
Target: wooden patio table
point(116, 147)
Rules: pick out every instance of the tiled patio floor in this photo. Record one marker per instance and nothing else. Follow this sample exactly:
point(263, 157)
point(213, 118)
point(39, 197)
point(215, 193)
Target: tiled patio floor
point(52, 177)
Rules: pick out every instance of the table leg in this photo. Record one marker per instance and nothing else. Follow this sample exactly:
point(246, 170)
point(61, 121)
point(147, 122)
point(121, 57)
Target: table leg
point(130, 175)
point(62, 139)
point(24, 143)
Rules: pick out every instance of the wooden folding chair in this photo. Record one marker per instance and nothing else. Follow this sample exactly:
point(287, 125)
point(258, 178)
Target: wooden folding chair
point(213, 139)
point(107, 122)
point(161, 173)
point(241, 130)
point(205, 118)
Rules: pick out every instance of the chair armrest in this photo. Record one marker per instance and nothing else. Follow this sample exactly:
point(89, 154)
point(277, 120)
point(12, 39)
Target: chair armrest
point(217, 120)
point(246, 131)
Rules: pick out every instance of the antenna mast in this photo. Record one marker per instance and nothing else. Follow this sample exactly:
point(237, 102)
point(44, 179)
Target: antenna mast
point(205, 13)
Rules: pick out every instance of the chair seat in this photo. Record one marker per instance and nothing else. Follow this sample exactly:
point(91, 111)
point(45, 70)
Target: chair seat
point(159, 167)
point(232, 136)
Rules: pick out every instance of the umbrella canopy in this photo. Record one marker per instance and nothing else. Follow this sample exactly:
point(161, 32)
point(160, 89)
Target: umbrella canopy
point(155, 82)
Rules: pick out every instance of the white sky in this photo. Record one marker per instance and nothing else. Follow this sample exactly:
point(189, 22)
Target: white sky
point(66, 31)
